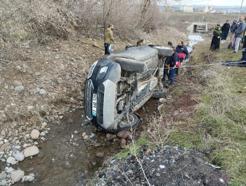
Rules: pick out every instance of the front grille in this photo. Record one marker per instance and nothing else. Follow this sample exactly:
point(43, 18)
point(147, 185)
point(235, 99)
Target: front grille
point(100, 103)
point(88, 98)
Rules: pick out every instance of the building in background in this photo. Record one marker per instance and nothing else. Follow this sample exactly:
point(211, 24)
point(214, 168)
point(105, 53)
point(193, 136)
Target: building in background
point(187, 9)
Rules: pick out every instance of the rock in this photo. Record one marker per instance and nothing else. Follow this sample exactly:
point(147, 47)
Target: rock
point(37, 73)
point(31, 151)
point(92, 135)
point(41, 91)
point(43, 134)
point(222, 180)
point(95, 44)
point(5, 147)
point(169, 97)
point(44, 124)
point(68, 165)
point(100, 154)
point(176, 113)
point(11, 160)
point(9, 169)
point(3, 182)
point(85, 136)
point(35, 134)
point(3, 116)
point(3, 133)
point(19, 156)
point(26, 144)
point(19, 88)
point(110, 137)
point(3, 175)
point(125, 134)
point(162, 100)
point(123, 143)
point(160, 107)
point(93, 163)
point(28, 178)
point(30, 107)
point(16, 175)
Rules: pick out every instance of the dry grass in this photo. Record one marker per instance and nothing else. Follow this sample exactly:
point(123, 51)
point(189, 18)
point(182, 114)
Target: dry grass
point(21, 21)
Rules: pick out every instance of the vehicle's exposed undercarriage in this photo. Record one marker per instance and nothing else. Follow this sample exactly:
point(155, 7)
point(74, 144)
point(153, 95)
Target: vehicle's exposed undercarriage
point(120, 84)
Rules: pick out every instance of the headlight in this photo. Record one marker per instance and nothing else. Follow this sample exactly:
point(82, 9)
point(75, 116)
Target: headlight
point(91, 70)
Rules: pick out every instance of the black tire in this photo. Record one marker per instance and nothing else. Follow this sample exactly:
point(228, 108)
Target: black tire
point(159, 94)
point(134, 123)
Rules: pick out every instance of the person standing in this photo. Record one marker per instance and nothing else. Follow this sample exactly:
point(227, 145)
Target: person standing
point(108, 39)
point(167, 64)
point(232, 31)
point(215, 44)
point(244, 38)
point(225, 30)
point(244, 45)
point(239, 34)
point(172, 71)
point(182, 49)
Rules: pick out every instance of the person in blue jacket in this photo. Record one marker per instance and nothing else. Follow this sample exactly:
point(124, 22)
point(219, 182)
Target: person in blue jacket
point(239, 33)
point(232, 31)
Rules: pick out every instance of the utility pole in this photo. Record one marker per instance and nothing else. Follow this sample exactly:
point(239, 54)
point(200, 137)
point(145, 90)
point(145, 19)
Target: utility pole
point(241, 7)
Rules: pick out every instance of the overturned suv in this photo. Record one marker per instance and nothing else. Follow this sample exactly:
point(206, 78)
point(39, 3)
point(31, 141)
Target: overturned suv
point(121, 83)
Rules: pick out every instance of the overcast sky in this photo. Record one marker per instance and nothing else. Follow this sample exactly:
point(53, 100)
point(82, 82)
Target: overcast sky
point(213, 2)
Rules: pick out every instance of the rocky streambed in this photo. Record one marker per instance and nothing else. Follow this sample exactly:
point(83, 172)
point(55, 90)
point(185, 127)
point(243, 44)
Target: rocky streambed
point(74, 150)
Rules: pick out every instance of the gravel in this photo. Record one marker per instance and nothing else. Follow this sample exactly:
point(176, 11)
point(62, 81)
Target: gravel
point(167, 165)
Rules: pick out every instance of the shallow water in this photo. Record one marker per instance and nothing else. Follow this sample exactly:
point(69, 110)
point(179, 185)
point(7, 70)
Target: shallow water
point(66, 159)
point(194, 39)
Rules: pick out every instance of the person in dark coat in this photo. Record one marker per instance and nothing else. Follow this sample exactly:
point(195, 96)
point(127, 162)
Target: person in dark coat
point(239, 33)
point(244, 37)
point(225, 30)
point(182, 53)
point(167, 64)
point(215, 44)
point(181, 48)
point(172, 63)
point(243, 58)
